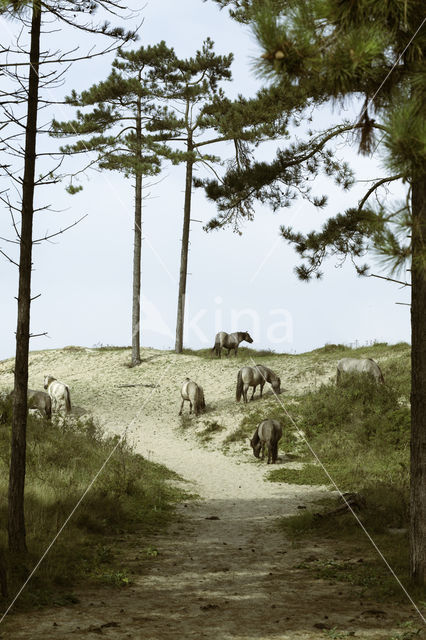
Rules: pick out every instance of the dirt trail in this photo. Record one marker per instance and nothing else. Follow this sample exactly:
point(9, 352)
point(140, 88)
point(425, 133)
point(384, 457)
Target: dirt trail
point(223, 571)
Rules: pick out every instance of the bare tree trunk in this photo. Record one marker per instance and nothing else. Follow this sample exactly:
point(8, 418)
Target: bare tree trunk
point(137, 249)
point(16, 521)
point(418, 383)
point(184, 256)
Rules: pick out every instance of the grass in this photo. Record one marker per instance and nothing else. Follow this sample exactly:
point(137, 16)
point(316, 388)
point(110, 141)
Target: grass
point(360, 431)
point(211, 427)
point(130, 495)
point(244, 353)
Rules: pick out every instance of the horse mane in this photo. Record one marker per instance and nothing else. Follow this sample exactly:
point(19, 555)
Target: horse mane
point(269, 371)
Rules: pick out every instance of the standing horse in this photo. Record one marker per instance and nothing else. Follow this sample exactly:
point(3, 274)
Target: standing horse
point(192, 392)
point(230, 341)
point(59, 393)
point(359, 365)
point(267, 434)
point(253, 376)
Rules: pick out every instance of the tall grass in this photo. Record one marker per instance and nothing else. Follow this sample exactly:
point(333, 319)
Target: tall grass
point(131, 494)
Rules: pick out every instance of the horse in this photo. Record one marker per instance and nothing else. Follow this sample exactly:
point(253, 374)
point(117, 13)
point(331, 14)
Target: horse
point(59, 393)
point(192, 392)
point(37, 401)
point(359, 365)
point(252, 376)
point(40, 401)
point(267, 434)
point(230, 341)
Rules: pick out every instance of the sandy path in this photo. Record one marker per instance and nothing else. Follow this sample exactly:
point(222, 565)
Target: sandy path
point(224, 571)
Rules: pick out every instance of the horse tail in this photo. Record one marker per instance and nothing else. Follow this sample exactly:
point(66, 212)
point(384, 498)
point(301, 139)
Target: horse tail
point(67, 400)
point(239, 386)
point(199, 404)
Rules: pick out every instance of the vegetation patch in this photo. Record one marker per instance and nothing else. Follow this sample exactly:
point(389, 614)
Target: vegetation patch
point(308, 474)
point(130, 495)
point(211, 428)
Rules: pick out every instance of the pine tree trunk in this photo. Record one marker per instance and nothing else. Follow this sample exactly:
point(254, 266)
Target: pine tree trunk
point(16, 521)
point(184, 256)
point(418, 383)
point(137, 248)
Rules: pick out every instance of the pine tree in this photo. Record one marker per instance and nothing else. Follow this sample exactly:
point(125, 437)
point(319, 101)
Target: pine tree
point(116, 130)
point(199, 114)
point(333, 50)
point(28, 93)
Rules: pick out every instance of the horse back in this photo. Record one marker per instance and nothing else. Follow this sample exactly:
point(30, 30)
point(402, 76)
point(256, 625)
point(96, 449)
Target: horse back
point(270, 431)
point(248, 375)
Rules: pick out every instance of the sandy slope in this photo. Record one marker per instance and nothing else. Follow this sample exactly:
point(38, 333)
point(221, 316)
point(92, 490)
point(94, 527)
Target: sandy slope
point(224, 571)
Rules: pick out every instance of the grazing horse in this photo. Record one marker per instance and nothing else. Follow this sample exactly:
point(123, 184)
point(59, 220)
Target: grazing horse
point(267, 434)
point(59, 393)
point(252, 376)
point(38, 400)
point(192, 392)
point(230, 341)
point(359, 365)
point(41, 401)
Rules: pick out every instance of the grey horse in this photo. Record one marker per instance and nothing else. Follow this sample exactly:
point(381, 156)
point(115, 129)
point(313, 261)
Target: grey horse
point(359, 365)
point(267, 434)
point(253, 376)
point(230, 341)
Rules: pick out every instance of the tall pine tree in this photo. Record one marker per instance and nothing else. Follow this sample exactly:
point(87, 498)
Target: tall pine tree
point(200, 115)
point(333, 50)
point(35, 14)
point(116, 130)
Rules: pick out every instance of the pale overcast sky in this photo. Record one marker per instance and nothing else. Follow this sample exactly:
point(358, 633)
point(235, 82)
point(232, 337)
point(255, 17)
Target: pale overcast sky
point(235, 283)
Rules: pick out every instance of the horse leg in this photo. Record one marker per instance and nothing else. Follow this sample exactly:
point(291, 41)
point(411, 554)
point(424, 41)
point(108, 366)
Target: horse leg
point(252, 395)
point(263, 449)
point(235, 351)
point(181, 407)
point(262, 384)
point(190, 406)
point(245, 389)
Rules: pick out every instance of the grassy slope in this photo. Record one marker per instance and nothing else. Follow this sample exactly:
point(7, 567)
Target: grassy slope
point(133, 495)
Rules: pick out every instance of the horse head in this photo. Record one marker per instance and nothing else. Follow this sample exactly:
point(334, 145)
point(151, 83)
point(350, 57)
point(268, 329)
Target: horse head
point(276, 385)
point(247, 337)
point(48, 380)
point(256, 446)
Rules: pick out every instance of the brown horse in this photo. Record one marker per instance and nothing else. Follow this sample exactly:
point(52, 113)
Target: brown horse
point(267, 434)
point(230, 341)
point(253, 376)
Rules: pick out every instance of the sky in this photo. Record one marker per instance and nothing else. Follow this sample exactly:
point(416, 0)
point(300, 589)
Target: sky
point(236, 282)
